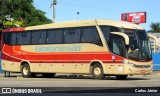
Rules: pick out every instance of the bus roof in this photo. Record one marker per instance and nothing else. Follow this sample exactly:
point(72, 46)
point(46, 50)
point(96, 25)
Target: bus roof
point(86, 23)
point(82, 23)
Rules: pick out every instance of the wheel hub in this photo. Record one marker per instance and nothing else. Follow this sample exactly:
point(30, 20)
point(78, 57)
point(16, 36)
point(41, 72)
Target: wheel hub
point(25, 70)
point(97, 71)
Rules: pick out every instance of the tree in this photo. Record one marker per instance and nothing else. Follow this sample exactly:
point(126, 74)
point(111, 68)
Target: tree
point(155, 27)
point(15, 11)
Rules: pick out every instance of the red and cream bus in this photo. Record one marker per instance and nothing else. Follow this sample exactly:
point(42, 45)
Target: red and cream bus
point(97, 47)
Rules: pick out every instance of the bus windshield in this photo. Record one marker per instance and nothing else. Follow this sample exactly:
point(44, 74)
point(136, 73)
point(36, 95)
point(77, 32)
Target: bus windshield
point(139, 45)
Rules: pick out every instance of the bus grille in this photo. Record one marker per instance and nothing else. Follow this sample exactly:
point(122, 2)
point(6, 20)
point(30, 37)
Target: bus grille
point(142, 66)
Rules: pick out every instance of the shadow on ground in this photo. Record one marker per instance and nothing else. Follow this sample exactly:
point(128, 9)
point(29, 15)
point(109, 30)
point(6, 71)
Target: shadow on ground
point(76, 77)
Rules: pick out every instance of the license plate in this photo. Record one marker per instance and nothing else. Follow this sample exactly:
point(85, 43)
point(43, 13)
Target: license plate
point(143, 71)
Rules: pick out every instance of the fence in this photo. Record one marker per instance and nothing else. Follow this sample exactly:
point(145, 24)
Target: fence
point(156, 61)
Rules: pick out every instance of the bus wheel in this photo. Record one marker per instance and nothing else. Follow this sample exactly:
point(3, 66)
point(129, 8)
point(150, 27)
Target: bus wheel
point(6, 74)
point(48, 75)
point(121, 77)
point(97, 71)
point(25, 70)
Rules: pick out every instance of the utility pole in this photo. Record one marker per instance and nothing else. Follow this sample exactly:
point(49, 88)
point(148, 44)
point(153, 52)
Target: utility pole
point(78, 15)
point(54, 10)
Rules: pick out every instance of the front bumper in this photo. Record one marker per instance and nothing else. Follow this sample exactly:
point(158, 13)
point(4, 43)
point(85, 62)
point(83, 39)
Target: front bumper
point(138, 69)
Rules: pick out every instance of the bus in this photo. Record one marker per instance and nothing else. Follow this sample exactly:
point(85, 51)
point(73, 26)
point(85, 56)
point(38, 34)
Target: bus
point(93, 47)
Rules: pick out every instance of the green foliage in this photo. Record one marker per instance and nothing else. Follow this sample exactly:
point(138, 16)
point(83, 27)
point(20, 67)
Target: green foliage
point(155, 27)
point(22, 11)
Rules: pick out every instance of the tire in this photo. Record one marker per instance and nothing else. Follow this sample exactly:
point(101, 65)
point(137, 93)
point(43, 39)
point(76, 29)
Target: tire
point(97, 71)
point(25, 71)
point(121, 77)
point(48, 75)
point(6, 74)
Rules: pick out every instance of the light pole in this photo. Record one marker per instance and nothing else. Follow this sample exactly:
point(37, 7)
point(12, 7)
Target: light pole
point(78, 15)
point(54, 10)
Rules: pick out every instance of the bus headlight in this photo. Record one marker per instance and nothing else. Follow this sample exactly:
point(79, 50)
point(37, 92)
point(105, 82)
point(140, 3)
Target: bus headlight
point(131, 64)
point(125, 61)
point(128, 63)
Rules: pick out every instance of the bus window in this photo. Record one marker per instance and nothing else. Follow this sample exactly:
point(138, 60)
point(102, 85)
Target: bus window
point(117, 45)
point(43, 37)
point(35, 38)
point(72, 36)
point(7, 38)
point(14, 39)
point(106, 32)
point(90, 35)
point(132, 40)
point(23, 38)
point(54, 36)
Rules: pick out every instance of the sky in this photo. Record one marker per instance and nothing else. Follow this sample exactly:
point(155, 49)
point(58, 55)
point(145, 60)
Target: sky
point(66, 10)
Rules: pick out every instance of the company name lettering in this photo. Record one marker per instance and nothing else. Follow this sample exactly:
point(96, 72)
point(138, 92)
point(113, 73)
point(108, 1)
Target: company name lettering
point(73, 48)
point(136, 14)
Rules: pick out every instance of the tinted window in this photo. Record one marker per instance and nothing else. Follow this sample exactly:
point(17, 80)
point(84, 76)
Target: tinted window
point(22, 38)
point(54, 36)
point(39, 37)
point(132, 39)
point(142, 34)
point(90, 35)
point(13, 38)
point(7, 38)
point(117, 45)
point(106, 32)
point(72, 36)
point(114, 29)
point(57, 36)
point(43, 37)
point(35, 39)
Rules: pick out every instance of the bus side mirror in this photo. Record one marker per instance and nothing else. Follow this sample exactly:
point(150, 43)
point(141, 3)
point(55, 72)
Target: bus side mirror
point(155, 38)
point(125, 36)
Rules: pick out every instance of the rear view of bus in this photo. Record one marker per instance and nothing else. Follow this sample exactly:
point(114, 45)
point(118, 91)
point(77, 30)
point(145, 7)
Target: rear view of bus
point(94, 47)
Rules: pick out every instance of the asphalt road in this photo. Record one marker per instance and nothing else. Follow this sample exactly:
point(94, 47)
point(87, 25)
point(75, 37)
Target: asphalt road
point(70, 81)
point(63, 83)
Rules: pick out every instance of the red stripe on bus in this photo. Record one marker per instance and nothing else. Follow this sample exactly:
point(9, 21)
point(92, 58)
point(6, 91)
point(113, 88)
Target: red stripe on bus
point(14, 29)
point(6, 30)
point(72, 61)
point(67, 56)
point(9, 58)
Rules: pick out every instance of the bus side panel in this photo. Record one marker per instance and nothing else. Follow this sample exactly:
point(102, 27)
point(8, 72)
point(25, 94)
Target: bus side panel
point(51, 58)
point(10, 66)
point(66, 67)
point(58, 67)
point(39, 67)
point(114, 68)
point(9, 60)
